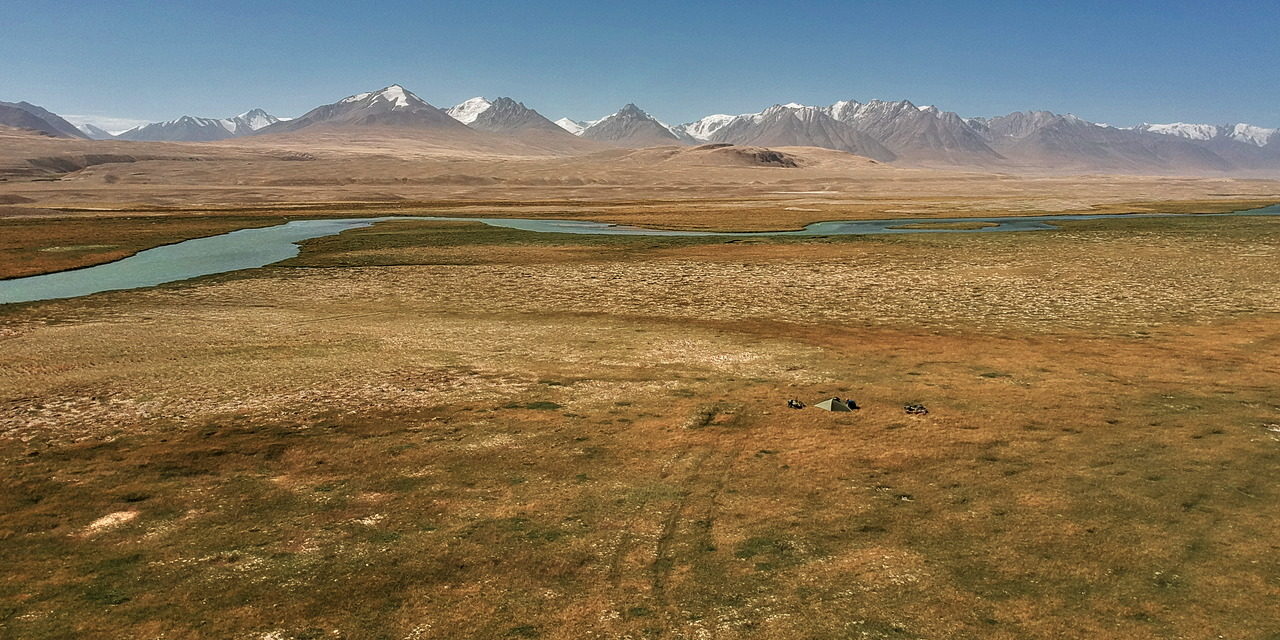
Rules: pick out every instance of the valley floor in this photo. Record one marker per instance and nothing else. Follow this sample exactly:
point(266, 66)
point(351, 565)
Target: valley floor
point(443, 430)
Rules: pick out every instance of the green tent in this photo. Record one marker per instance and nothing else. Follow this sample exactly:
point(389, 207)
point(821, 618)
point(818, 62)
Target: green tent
point(834, 404)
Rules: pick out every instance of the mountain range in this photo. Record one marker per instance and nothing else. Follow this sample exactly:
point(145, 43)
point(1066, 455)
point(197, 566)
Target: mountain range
point(886, 131)
point(194, 129)
point(24, 115)
point(94, 132)
point(502, 115)
point(1041, 140)
point(393, 106)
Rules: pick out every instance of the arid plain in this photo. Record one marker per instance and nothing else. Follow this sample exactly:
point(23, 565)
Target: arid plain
point(444, 430)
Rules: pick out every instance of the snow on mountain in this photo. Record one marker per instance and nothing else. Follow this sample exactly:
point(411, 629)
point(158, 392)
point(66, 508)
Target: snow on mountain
point(1182, 130)
point(94, 132)
point(795, 124)
point(1259, 136)
point(396, 96)
point(393, 106)
point(251, 120)
point(111, 124)
point(918, 133)
point(196, 129)
point(184, 129)
point(1240, 132)
point(888, 130)
point(703, 128)
point(631, 126)
point(467, 111)
point(879, 129)
point(576, 127)
point(507, 116)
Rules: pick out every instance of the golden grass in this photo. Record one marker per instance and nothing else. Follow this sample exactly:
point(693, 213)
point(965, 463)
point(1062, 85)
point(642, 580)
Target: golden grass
point(41, 240)
point(446, 430)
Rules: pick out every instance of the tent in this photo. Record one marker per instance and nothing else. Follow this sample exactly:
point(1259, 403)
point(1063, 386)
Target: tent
point(834, 404)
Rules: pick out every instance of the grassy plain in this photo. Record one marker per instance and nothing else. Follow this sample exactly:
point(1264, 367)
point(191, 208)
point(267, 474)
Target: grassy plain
point(444, 430)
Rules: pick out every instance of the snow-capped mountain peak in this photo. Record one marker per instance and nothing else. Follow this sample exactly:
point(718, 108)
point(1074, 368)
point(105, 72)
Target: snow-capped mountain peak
point(630, 110)
point(392, 106)
point(1182, 130)
point(702, 128)
point(94, 132)
point(255, 119)
point(631, 126)
point(576, 127)
point(396, 95)
point(467, 111)
point(791, 107)
point(1259, 136)
point(1240, 132)
point(197, 129)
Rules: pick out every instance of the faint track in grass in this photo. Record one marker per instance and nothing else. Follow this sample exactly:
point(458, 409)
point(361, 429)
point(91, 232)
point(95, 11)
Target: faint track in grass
point(627, 537)
point(663, 560)
point(683, 539)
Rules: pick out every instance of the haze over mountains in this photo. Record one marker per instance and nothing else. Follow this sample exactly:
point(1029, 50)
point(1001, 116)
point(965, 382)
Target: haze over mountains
point(887, 131)
point(193, 129)
point(94, 132)
point(900, 131)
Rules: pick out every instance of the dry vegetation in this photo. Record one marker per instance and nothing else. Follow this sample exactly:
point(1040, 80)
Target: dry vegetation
point(444, 430)
point(724, 188)
point(426, 430)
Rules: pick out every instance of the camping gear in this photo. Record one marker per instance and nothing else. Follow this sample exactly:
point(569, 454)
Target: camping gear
point(834, 404)
point(915, 409)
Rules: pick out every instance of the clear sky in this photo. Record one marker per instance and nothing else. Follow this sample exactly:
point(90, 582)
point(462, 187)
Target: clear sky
point(1121, 62)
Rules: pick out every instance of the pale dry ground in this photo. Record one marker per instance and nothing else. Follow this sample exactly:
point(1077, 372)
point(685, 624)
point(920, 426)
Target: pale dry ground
point(677, 187)
point(446, 430)
point(1107, 283)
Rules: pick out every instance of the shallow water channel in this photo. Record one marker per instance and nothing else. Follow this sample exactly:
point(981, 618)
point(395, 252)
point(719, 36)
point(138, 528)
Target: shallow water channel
point(252, 248)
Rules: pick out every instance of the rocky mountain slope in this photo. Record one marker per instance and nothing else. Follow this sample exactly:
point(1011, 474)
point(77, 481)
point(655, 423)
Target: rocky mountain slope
point(196, 129)
point(393, 106)
point(798, 125)
point(630, 127)
point(94, 132)
point(503, 115)
point(24, 115)
point(889, 131)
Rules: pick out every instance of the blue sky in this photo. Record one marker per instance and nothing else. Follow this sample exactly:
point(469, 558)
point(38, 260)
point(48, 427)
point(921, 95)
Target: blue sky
point(1117, 62)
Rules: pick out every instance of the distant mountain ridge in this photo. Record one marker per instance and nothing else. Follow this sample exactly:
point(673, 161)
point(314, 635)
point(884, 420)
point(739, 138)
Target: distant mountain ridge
point(1032, 139)
point(94, 132)
point(799, 125)
point(888, 131)
point(502, 115)
point(467, 111)
point(195, 129)
point(24, 115)
point(1240, 132)
point(630, 126)
point(392, 106)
